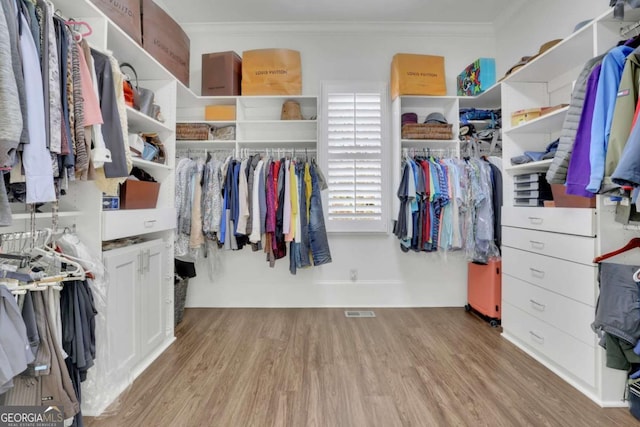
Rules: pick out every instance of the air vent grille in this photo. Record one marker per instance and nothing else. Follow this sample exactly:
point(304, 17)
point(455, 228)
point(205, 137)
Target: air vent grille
point(359, 314)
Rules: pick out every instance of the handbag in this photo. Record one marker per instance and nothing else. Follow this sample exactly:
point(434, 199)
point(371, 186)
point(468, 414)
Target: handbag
point(143, 98)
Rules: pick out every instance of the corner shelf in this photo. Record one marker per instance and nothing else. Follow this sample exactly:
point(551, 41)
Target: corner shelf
point(217, 123)
point(539, 166)
point(491, 98)
point(140, 122)
point(547, 123)
point(145, 164)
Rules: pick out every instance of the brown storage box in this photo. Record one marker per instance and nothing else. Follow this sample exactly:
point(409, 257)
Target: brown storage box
point(163, 38)
point(221, 74)
point(417, 75)
point(139, 194)
point(271, 72)
point(563, 200)
point(221, 113)
point(125, 14)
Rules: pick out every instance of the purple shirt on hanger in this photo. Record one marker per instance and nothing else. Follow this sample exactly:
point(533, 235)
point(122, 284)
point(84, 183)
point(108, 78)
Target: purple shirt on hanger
point(579, 172)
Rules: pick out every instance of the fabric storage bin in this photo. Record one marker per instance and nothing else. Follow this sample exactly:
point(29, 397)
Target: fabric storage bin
point(271, 72)
point(477, 77)
point(221, 74)
point(417, 75)
point(220, 113)
point(179, 298)
point(165, 40)
point(224, 133)
point(193, 131)
point(139, 194)
point(125, 14)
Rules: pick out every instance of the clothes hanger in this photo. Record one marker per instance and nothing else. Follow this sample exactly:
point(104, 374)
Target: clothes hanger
point(633, 243)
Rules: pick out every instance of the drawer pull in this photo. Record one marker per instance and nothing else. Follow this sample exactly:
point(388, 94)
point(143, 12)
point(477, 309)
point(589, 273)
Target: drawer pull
point(536, 245)
point(537, 273)
point(536, 337)
point(150, 224)
point(535, 220)
point(535, 304)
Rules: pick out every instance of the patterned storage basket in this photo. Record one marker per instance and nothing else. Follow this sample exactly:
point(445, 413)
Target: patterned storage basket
point(193, 131)
point(224, 133)
point(427, 131)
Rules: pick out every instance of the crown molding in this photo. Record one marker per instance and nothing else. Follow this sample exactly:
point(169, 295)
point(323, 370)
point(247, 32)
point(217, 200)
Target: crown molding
point(407, 29)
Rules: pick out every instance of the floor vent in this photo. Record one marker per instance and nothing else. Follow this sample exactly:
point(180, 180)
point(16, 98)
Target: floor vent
point(359, 314)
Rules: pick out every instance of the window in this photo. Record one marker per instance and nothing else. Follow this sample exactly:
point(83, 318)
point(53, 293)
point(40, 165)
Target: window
point(353, 154)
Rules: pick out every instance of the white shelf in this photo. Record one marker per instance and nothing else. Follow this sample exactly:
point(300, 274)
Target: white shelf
point(216, 123)
point(491, 98)
point(416, 101)
point(304, 143)
point(205, 143)
point(277, 122)
point(429, 141)
point(47, 215)
point(187, 99)
point(548, 123)
point(147, 165)
point(139, 122)
point(539, 166)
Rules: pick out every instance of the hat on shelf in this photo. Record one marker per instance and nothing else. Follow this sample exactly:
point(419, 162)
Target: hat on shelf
point(409, 118)
point(526, 59)
point(436, 118)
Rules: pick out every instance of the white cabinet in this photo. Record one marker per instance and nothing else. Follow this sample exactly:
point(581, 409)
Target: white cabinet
point(134, 331)
point(550, 286)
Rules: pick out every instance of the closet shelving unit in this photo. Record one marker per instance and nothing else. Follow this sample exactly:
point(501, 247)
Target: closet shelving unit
point(137, 324)
point(258, 124)
point(549, 286)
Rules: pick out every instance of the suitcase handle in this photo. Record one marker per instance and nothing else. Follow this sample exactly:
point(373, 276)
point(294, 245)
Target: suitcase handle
point(536, 337)
point(536, 273)
point(535, 304)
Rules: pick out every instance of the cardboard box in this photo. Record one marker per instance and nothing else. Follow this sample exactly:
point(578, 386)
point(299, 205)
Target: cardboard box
point(222, 113)
point(417, 75)
point(271, 72)
point(477, 77)
point(221, 74)
point(521, 116)
point(125, 14)
point(563, 200)
point(139, 194)
point(165, 40)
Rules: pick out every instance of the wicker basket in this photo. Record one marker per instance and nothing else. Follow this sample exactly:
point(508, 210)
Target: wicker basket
point(427, 131)
point(193, 131)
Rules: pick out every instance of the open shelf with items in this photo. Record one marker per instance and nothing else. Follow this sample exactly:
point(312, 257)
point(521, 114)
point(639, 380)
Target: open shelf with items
point(539, 166)
point(544, 124)
point(487, 99)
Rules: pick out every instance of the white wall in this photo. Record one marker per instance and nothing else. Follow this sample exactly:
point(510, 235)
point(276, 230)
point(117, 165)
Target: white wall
point(386, 276)
point(523, 31)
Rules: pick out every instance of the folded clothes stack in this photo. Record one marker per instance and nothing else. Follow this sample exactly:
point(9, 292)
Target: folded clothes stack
point(536, 156)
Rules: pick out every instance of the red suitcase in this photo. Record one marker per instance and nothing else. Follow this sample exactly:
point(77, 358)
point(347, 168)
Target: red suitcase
point(484, 290)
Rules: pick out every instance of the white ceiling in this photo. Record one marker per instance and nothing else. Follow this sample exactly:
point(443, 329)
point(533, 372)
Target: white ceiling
point(200, 11)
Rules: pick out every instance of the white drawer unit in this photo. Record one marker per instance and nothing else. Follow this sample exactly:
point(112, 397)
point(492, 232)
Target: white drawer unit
point(571, 316)
point(573, 280)
point(573, 248)
point(132, 222)
point(562, 349)
point(581, 222)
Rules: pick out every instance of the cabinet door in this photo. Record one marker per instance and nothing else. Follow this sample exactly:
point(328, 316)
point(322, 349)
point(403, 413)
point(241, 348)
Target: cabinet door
point(122, 266)
point(151, 307)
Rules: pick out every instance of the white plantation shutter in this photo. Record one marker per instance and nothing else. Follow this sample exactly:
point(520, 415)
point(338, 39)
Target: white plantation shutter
point(353, 145)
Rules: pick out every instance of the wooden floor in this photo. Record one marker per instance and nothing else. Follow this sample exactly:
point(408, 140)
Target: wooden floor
point(314, 367)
